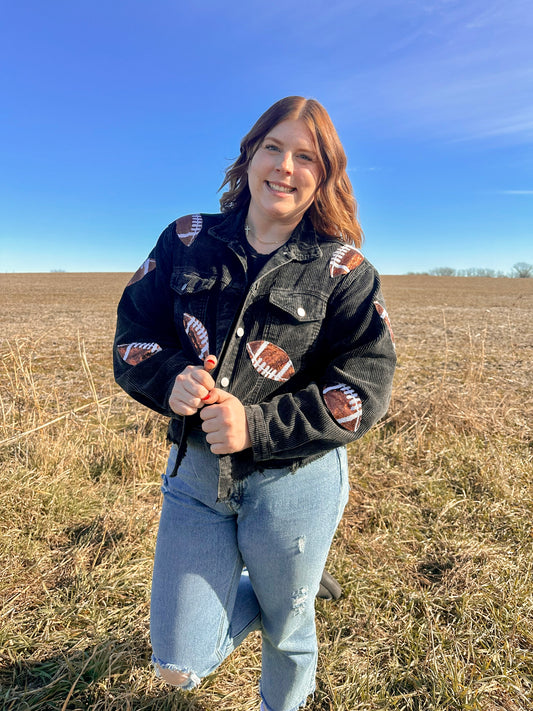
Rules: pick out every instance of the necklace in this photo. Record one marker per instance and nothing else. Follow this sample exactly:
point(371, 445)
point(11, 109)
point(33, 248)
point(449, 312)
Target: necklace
point(248, 229)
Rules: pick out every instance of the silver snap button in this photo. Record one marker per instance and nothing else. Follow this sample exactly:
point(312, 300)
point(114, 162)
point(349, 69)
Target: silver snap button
point(300, 311)
point(240, 332)
point(224, 382)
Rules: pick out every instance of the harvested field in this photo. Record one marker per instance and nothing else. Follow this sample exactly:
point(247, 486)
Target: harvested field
point(434, 552)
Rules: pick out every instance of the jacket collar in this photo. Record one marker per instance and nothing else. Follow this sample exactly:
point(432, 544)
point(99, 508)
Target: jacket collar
point(302, 245)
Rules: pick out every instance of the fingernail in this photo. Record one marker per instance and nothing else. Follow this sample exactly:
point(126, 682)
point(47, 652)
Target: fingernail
point(206, 397)
point(210, 361)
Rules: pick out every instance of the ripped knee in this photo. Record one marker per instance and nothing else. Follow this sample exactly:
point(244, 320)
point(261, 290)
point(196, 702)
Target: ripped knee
point(176, 677)
point(299, 600)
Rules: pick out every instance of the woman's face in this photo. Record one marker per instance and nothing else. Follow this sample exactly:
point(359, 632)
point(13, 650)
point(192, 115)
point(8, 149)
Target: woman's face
point(283, 175)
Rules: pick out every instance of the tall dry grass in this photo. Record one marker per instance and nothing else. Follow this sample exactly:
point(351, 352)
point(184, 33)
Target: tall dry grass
point(434, 552)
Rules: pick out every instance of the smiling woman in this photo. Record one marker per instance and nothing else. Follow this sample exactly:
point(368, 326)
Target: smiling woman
point(312, 138)
point(264, 342)
point(283, 177)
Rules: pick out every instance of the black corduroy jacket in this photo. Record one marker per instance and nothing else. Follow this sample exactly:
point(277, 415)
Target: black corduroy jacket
point(307, 347)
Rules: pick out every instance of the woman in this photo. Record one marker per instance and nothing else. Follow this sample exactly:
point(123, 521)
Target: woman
point(261, 332)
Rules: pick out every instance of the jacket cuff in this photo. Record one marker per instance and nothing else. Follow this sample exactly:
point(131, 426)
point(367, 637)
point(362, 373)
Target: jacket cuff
point(258, 433)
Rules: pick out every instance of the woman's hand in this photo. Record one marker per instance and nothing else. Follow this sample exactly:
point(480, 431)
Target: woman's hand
point(225, 423)
point(192, 388)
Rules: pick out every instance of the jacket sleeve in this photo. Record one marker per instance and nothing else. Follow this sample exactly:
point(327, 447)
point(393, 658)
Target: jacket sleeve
point(353, 382)
point(147, 354)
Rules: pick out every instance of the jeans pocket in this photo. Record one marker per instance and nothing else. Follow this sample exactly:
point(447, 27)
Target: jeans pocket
point(166, 478)
point(344, 476)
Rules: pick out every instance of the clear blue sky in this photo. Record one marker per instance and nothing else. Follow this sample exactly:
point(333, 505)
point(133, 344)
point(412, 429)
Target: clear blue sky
point(119, 116)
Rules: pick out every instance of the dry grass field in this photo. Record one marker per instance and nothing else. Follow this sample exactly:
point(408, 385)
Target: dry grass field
point(434, 553)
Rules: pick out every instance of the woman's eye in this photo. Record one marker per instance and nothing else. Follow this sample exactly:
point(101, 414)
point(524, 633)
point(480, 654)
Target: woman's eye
point(271, 147)
point(306, 157)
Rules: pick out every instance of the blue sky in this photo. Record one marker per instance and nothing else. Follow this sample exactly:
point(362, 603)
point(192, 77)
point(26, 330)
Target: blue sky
point(119, 116)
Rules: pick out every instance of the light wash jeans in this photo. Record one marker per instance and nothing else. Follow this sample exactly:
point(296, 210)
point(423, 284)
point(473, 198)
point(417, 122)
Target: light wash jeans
point(279, 526)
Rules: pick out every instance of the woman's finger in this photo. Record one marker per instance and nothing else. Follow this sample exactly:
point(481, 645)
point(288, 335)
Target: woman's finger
point(210, 363)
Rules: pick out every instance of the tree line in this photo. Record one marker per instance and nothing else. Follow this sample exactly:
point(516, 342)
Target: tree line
point(520, 270)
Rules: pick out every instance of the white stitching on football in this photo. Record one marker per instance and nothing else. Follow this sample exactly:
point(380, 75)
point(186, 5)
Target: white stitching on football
point(270, 361)
point(197, 333)
point(344, 404)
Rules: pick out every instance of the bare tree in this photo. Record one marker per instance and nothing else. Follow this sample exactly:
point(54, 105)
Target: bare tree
point(522, 270)
point(443, 271)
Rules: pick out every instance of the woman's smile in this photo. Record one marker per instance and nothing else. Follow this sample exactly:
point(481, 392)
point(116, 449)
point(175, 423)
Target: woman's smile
point(279, 188)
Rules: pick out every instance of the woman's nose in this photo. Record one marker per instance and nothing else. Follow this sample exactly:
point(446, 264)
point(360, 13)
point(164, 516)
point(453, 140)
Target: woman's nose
point(286, 164)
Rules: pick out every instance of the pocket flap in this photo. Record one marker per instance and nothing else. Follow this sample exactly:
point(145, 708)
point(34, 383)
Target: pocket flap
point(191, 282)
point(302, 307)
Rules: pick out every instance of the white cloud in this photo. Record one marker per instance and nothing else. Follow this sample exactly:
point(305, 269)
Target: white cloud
point(515, 192)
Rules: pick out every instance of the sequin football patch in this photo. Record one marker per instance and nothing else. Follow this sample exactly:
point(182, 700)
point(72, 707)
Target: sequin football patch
point(270, 361)
point(146, 267)
point(382, 311)
point(344, 404)
point(188, 228)
point(344, 259)
point(197, 334)
point(135, 353)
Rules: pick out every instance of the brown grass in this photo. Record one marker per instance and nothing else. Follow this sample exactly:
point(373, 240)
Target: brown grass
point(434, 552)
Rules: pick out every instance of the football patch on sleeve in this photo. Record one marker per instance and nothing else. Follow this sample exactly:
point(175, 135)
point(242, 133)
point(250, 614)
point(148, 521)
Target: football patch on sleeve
point(270, 361)
point(344, 259)
point(382, 311)
point(344, 404)
point(135, 353)
point(146, 267)
point(188, 228)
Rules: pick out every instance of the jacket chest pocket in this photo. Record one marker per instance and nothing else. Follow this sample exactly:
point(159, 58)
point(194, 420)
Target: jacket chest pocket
point(295, 320)
point(194, 295)
point(193, 290)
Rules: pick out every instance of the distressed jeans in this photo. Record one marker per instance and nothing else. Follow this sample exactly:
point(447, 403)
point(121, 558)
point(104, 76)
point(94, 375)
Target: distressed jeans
point(224, 569)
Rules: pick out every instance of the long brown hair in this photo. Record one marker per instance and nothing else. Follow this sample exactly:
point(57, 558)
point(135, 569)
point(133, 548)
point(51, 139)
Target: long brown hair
point(334, 209)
